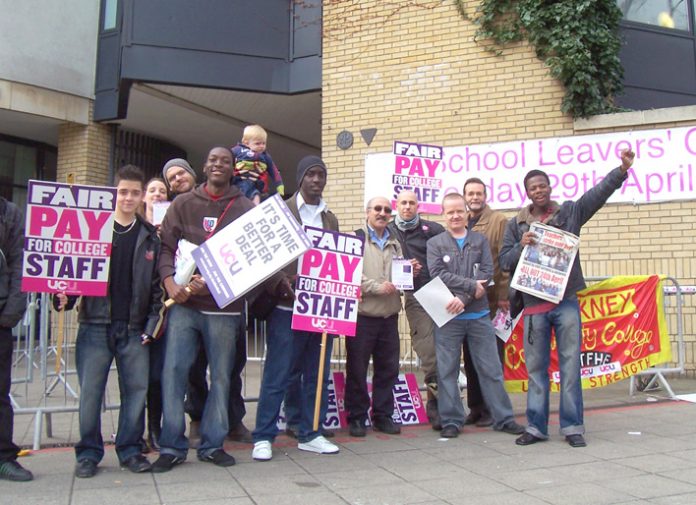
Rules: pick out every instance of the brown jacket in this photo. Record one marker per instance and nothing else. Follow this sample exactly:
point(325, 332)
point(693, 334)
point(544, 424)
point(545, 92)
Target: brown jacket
point(377, 267)
point(492, 224)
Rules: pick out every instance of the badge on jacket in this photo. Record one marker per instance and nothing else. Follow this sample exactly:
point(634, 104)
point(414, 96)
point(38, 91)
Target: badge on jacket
point(209, 223)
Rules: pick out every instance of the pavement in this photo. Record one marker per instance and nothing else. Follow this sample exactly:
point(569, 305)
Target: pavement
point(641, 450)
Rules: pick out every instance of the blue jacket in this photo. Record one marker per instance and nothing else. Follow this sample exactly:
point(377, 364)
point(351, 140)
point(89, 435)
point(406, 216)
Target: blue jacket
point(456, 268)
point(570, 216)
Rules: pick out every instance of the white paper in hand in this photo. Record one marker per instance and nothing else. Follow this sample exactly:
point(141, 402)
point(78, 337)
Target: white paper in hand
point(434, 297)
point(184, 263)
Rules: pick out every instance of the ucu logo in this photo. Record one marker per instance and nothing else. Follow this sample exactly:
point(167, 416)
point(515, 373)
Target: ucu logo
point(62, 285)
point(319, 323)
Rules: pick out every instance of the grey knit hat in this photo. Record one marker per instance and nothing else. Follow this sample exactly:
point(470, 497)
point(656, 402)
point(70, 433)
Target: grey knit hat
point(305, 164)
point(177, 162)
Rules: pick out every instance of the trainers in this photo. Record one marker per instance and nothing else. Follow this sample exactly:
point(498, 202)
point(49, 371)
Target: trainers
point(512, 427)
point(527, 439)
point(262, 451)
point(240, 433)
point(85, 468)
point(576, 440)
point(137, 464)
point(356, 428)
point(450, 431)
point(319, 445)
point(218, 457)
point(11, 470)
point(165, 463)
point(386, 425)
point(485, 420)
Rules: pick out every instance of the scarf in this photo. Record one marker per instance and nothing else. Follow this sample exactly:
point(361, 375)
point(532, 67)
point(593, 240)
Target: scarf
point(406, 225)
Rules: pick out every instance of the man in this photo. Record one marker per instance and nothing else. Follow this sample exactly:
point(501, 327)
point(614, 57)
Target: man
point(117, 326)
point(196, 318)
point(12, 305)
point(181, 179)
point(412, 232)
point(491, 223)
point(541, 317)
point(179, 176)
point(290, 352)
point(377, 332)
point(462, 259)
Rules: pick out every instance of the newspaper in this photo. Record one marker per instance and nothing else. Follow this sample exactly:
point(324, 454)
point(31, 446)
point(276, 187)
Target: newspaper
point(544, 267)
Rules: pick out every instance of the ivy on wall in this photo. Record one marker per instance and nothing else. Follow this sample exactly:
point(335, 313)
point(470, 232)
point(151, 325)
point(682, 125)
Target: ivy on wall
point(577, 39)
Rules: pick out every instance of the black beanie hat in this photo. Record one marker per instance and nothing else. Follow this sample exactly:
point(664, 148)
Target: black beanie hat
point(305, 164)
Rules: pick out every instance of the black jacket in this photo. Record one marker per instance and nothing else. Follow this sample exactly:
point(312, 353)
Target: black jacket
point(12, 301)
point(413, 245)
point(146, 309)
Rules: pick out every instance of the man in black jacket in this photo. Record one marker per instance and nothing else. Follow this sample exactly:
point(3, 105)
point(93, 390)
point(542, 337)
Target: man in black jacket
point(12, 305)
point(413, 232)
point(117, 326)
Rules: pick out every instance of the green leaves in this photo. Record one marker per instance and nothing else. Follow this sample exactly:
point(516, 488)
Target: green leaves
point(577, 39)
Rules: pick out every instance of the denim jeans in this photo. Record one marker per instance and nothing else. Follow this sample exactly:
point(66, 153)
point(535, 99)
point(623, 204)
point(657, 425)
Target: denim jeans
point(96, 347)
point(218, 333)
point(279, 343)
point(8, 450)
point(448, 347)
point(305, 367)
point(565, 320)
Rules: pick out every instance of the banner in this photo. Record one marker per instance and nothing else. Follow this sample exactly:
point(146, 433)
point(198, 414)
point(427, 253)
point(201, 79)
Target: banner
point(664, 171)
point(624, 331)
point(328, 283)
point(250, 249)
point(67, 244)
point(408, 403)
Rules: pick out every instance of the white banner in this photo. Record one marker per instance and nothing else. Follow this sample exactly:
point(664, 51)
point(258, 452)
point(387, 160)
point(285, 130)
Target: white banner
point(663, 168)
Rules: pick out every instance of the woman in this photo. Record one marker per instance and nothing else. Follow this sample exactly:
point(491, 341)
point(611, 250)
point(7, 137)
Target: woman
point(155, 191)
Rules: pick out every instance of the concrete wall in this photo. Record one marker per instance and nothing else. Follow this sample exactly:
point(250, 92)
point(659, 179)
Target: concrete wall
point(416, 74)
point(50, 44)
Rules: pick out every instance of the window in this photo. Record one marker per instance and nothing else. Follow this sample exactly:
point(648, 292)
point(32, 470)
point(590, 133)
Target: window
point(110, 11)
point(672, 14)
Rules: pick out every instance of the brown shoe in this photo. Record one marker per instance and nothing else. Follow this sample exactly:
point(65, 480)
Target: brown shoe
point(240, 433)
point(194, 435)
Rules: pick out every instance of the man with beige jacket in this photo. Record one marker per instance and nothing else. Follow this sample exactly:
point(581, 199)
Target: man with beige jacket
point(377, 332)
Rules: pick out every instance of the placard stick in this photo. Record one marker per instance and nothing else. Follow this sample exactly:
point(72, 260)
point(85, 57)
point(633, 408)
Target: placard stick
point(60, 337)
point(320, 382)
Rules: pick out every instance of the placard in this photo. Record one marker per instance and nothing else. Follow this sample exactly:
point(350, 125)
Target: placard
point(67, 244)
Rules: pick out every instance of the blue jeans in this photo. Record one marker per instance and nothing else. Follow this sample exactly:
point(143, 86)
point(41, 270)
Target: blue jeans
point(300, 400)
point(565, 320)
point(96, 347)
point(481, 338)
point(219, 334)
point(279, 344)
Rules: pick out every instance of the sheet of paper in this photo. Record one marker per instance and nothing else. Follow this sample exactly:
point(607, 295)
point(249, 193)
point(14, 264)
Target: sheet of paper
point(434, 297)
point(159, 209)
point(402, 274)
point(504, 324)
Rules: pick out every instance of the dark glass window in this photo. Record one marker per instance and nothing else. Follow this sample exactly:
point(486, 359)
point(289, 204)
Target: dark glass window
point(673, 14)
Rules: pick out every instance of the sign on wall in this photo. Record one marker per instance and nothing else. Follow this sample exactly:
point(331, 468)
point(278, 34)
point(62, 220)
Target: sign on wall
point(67, 245)
point(663, 169)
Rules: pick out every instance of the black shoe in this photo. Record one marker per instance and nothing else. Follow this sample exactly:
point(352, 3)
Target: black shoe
point(85, 468)
point(576, 440)
point(165, 463)
point(527, 439)
point(512, 427)
point(11, 470)
point(485, 420)
point(473, 417)
point(137, 464)
point(356, 428)
point(291, 432)
point(433, 414)
point(386, 425)
point(450, 431)
point(219, 458)
point(326, 433)
point(240, 433)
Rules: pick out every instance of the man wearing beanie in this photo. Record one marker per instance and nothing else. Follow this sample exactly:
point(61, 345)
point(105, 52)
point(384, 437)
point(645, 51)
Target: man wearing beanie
point(292, 352)
point(179, 176)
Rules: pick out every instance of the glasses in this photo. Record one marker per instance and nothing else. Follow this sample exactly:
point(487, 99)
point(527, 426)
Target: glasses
point(380, 208)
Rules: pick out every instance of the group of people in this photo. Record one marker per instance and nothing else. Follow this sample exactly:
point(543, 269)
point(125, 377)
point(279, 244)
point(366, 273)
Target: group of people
point(473, 255)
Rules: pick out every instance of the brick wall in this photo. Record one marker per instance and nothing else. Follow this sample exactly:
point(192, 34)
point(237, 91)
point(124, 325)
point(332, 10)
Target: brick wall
point(413, 71)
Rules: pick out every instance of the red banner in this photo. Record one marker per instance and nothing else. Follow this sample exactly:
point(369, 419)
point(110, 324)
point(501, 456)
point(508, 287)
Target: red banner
point(623, 332)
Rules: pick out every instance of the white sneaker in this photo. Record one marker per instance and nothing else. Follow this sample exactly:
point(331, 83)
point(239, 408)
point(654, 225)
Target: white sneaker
point(319, 445)
point(262, 451)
